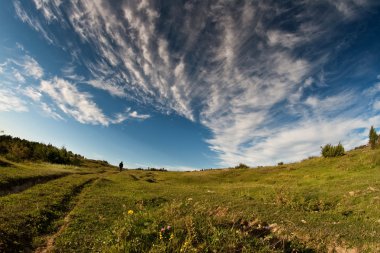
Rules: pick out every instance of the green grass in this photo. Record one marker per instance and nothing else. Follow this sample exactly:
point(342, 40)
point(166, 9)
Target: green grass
point(14, 172)
point(315, 205)
point(32, 213)
point(26, 174)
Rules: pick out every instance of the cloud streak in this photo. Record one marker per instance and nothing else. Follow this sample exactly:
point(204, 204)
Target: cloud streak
point(80, 105)
point(31, 21)
point(71, 101)
point(9, 101)
point(24, 84)
point(32, 68)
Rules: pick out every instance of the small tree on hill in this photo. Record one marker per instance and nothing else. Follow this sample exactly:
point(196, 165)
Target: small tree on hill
point(242, 166)
point(373, 137)
point(332, 151)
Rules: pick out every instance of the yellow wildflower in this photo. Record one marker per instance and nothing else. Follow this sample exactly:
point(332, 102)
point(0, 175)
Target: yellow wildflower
point(130, 212)
point(171, 236)
point(184, 246)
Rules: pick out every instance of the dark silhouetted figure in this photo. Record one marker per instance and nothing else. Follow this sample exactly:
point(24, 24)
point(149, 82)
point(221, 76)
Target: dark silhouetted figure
point(121, 166)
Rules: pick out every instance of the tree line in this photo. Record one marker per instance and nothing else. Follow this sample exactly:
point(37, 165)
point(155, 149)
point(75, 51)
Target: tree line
point(16, 149)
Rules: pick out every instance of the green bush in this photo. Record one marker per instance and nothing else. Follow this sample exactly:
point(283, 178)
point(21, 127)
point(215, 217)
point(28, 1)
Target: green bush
point(242, 166)
point(332, 151)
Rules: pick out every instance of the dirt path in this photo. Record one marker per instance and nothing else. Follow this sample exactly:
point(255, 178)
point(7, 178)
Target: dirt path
point(48, 247)
point(24, 184)
point(50, 240)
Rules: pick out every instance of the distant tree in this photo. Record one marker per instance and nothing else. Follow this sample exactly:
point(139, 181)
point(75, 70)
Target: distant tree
point(373, 137)
point(332, 151)
point(242, 166)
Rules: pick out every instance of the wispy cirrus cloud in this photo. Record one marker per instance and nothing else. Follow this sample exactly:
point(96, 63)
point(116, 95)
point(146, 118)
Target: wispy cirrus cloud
point(129, 114)
point(376, 105)
point(22, 68)
point(259, 85)
point(18, 76)
point(375, 89)
point(351, 9)
point(9, 101)
point(111, 88)
point(80, 105)
point(31, 21)
point(32, 93)
point(50, 9)
point(50, 111)
point(71, 101)
point(136, 115)
point(32, 68)
point(24, 78)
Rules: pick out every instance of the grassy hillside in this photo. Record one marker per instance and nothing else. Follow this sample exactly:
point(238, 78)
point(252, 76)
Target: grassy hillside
point(317, 205)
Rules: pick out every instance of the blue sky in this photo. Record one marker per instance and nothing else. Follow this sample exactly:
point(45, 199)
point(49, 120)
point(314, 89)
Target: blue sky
point(190, 84)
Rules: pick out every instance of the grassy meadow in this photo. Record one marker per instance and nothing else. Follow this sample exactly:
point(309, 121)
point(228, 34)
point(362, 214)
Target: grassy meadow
point(317, 205)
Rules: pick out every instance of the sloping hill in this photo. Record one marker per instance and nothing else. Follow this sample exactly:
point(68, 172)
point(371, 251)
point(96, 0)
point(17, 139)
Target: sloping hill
point(317, 205)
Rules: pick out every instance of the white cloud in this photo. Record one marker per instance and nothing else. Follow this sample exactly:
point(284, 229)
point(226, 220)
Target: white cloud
point(284, 39)
point(128, 114)
point(71, 101)
point(48, 8)
point(50, 112)
point(163, 51)
point(331, 103)
point(345, 8)
point(20, 46)
point(136, 115)
point(376, 106)
point(33, 93)
point(32, 22)
point(113, 89)
point(309, 81)
point(350, 8)
point(18, 76)
point(22, 67)
point(32, 68)
point(181, 103)
point(119, 118)
point(9, 101)
point(65, 94)
point(80, 105)
point(371, 91)
point(177, 168)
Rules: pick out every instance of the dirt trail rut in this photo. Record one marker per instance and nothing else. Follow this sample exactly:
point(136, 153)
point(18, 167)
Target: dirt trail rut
point(49, 245)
